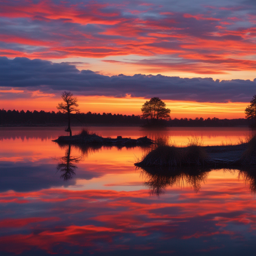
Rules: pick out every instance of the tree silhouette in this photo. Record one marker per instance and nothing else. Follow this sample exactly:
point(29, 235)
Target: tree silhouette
point(250, 111)
point(69, 106)
point(67, 166)
point(155, 109)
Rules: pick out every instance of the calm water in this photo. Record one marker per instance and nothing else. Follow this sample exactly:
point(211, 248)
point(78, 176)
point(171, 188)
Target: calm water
point(70, 201)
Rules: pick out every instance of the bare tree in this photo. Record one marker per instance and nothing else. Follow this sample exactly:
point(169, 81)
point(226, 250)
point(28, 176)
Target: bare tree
point(69, 106)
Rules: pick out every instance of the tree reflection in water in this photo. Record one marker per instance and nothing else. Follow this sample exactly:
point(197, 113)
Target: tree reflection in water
point(158, 178)
point(67, 165)
point(248, 173)
point(160, 136)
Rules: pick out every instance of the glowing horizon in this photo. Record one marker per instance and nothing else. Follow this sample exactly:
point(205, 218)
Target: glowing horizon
point(132, 106)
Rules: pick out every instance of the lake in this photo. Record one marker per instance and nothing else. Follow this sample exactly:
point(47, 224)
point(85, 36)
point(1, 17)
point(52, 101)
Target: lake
point(71, 201)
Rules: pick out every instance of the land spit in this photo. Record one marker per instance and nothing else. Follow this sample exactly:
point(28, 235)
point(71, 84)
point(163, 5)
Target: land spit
point(210, 156)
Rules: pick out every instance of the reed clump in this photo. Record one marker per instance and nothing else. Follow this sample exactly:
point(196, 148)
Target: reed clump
point(249, 156)
point(174, 156)
point(86, 133)
point(195, 155)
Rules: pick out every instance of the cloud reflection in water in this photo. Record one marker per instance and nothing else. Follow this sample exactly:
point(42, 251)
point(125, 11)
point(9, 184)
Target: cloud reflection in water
point(42, 214)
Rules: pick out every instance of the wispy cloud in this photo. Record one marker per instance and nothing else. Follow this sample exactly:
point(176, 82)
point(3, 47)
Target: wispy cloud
point(220, 37)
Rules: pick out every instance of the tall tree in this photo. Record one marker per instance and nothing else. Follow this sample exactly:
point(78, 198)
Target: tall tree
point(155, 109)
point(68, 106)
point(250, 111)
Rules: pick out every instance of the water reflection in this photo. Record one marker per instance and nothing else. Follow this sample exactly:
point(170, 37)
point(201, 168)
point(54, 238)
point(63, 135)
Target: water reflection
point(67, 165)
point(158, 179)
point(177, 135)
point(248, 174)
point(159, 136)
point(104, 209)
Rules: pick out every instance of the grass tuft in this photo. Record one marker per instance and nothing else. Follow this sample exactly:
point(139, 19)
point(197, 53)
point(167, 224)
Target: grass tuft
point(84, 133)
point(194, 141)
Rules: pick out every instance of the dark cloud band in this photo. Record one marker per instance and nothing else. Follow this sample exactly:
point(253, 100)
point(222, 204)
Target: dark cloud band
point(47, 76)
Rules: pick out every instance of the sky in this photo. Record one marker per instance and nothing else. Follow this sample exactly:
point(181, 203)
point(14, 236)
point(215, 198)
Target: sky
point(198, 56)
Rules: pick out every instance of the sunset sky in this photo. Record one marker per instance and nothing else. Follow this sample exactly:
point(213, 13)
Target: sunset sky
point(198, 56)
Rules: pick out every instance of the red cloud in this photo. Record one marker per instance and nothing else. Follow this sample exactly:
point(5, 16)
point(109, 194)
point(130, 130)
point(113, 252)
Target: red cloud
point(116, 34)
point(17, 223)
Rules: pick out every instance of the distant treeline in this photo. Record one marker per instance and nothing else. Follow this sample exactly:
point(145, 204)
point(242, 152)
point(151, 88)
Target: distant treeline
point(210, 122)
point(35, 118)
point(42, 118)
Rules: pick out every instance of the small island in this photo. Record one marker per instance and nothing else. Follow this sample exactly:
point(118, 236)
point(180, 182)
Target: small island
point(91, 139)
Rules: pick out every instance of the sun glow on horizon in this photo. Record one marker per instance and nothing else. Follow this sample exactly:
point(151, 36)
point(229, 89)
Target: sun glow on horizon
point(129, 106)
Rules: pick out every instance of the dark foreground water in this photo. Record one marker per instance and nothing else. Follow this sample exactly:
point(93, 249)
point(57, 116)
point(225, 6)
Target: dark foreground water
point(72, 201)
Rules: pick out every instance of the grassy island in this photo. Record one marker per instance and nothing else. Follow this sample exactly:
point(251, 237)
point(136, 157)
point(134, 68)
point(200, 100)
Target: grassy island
point(91, 139)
